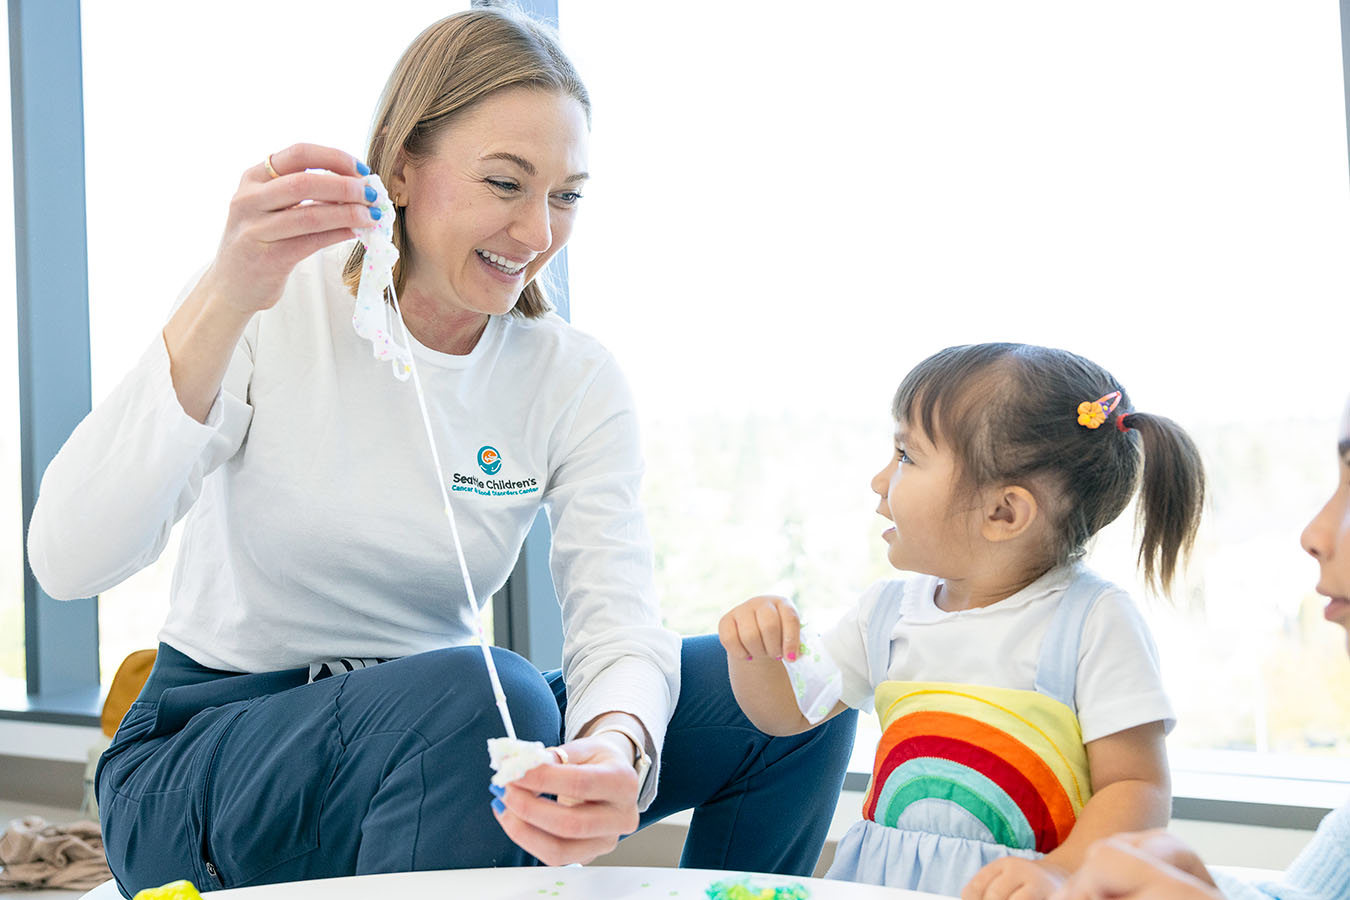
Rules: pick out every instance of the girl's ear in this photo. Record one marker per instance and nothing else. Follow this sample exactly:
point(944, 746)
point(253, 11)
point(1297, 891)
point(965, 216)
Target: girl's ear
point(1009, 512)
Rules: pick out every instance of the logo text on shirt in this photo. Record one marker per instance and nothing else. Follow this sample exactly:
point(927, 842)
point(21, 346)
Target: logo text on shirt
point(490, 461)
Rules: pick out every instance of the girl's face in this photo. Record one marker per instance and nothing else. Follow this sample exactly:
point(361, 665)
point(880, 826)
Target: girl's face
point(1327, 538)
point(917, 489)
point(495, 199)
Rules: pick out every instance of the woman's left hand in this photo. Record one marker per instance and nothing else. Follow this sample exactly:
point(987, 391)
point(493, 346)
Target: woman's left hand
point(596, 802)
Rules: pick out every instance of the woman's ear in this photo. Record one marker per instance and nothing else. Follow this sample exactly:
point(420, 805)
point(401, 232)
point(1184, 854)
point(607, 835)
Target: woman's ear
point(1009, 512)
point(398, 178)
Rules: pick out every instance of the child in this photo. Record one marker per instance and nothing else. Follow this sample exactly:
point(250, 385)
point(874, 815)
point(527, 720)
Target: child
point(1155, 865)
point(1019, 694)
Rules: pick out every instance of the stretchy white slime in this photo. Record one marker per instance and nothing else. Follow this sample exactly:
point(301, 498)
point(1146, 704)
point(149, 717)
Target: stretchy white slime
point(371, 321)
point(816, 681)
point(511, 758)
point(371, 318)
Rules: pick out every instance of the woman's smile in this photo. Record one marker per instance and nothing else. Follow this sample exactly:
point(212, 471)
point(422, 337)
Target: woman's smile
point(506, 269)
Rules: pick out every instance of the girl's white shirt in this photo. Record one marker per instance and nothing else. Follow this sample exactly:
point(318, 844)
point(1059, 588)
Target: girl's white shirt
point(314, 523)
point(1119, 681)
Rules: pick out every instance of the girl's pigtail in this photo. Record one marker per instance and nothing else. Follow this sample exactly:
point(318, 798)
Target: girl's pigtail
point(1172, 496)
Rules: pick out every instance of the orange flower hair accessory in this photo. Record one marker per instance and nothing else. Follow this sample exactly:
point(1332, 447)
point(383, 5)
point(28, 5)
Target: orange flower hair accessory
point(1093, 413)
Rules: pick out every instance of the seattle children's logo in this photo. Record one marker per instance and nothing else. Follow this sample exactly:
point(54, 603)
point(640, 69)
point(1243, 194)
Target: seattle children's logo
point(489, 460)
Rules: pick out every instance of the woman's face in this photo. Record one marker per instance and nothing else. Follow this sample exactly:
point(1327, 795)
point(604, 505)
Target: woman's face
point(1327, 538)
point(494, 200)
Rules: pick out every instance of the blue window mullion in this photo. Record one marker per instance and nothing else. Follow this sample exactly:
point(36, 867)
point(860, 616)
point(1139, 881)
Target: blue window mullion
point(52, 291)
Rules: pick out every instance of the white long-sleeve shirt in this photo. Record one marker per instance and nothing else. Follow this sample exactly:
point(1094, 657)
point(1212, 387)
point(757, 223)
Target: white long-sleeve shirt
point(314, 523)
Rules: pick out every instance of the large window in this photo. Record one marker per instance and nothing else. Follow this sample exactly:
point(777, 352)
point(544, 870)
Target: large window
point(790, 207)
point(168, 134)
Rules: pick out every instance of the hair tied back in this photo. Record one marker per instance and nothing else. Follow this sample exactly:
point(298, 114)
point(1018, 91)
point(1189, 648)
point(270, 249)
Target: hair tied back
point(1093, 413)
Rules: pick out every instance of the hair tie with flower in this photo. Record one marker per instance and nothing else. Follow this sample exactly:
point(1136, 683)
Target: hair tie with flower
point(1094, 413)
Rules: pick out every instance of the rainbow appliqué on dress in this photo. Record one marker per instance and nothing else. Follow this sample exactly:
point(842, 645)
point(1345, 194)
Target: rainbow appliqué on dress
point(1012, 760)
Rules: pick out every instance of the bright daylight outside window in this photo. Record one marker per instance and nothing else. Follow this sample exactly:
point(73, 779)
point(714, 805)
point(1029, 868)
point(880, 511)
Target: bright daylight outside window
point(790, 207)
point(167, 136)
point(11, 503)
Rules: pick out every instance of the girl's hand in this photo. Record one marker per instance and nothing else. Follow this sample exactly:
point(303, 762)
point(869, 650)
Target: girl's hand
point(596, 803)
point(276, 222)
point(1149, 865)
point(755, 634)
point(761, 628)
point(1014, 878)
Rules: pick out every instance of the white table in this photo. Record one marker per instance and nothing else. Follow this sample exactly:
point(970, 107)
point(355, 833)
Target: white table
point(543, 883)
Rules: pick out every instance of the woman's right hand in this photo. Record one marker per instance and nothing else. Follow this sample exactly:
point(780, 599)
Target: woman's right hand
point(273, 224)
point(761, 628)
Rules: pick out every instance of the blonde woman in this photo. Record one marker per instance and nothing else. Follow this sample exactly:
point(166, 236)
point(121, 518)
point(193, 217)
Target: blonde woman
point(317, 708)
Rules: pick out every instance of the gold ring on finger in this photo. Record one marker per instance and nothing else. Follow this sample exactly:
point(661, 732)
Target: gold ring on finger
point(562, 755)
point(267, 164)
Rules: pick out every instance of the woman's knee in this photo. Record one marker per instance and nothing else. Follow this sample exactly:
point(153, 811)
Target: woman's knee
point(839, 735)
point(530, 700)
point(438, 692)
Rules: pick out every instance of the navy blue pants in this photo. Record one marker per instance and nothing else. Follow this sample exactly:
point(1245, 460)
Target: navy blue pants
point(230, 780)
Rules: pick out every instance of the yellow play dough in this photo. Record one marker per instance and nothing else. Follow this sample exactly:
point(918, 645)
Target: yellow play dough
point(174, 890)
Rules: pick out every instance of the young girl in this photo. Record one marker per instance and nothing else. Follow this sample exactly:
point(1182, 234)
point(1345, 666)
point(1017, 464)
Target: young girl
point(1022, 710)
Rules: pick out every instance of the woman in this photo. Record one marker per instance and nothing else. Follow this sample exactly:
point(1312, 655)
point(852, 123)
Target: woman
point(316, 541)
point(1155, 864)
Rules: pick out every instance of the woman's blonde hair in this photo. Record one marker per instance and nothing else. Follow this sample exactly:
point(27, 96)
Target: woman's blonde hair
point(451, 66)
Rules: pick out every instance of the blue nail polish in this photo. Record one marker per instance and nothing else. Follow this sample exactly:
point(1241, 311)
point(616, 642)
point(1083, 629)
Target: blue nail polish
point(498, 806)
point(375, 213)
point(362, 168)
point(497, 790)
point(370, 194)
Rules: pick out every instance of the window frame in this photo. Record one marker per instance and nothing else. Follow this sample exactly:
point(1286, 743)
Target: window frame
point(52, 294)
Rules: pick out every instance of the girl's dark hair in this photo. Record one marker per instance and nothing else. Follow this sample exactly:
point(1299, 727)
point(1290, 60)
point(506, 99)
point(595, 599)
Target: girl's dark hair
point(1009, 412)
